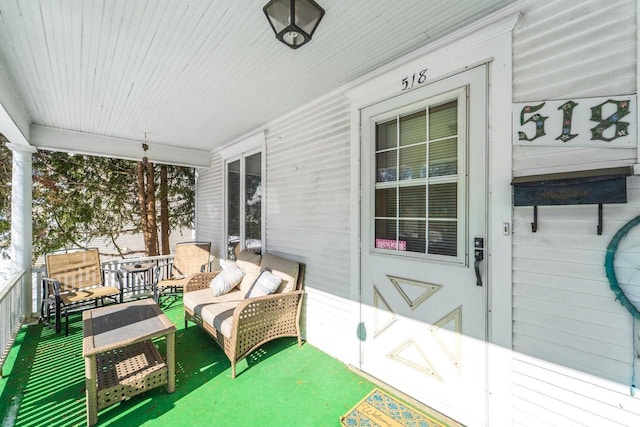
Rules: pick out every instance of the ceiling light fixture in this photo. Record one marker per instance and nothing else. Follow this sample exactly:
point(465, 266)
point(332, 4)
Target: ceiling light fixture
point(293, 21)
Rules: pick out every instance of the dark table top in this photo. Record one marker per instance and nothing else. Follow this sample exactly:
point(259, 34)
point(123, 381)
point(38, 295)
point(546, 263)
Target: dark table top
point(119, 325)
point(133, 268)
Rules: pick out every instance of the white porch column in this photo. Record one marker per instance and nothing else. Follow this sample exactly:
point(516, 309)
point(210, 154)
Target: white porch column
point(21, 227)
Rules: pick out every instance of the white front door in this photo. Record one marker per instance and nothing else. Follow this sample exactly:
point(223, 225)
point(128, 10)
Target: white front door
point(423, 295)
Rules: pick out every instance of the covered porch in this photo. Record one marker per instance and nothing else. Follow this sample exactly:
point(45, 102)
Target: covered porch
point(381, 155)
point(283, 385)
point(177, 83)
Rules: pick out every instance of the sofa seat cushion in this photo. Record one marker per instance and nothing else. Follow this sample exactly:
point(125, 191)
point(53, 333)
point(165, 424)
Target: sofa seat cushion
point(195, 300)
point(216, 311)
point(285, 269)
point(89, 293)
point(220, 316)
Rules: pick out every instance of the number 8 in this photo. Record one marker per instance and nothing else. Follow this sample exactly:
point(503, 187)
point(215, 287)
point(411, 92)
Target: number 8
point(422, 77)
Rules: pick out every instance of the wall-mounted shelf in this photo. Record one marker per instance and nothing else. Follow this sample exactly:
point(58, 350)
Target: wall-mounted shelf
point(589, 187)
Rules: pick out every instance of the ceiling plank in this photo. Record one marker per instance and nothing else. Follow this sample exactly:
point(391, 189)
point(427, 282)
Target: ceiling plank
point(199, 73)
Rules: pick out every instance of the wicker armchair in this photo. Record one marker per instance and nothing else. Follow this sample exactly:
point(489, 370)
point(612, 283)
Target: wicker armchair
point(254, 321)
point(74, 280)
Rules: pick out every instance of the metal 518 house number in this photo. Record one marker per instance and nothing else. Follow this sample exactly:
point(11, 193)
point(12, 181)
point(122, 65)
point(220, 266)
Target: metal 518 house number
point(593, 122)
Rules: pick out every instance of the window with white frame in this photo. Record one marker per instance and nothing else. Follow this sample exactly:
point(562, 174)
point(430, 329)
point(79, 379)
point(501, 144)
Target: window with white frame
point(418, 184)
point(244, 196)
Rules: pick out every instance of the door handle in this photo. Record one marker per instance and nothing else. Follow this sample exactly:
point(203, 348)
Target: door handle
point(478, 248)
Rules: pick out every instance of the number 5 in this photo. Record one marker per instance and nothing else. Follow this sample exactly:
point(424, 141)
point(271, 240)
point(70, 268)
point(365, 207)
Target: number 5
point(405, 83)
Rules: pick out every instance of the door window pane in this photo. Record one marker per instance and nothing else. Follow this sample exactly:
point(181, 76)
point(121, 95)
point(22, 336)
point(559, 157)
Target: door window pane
point(386, 199)
point(233, 204)
point(386, 166)
point(413, 128)
point(412, 235)
point(443, 120)
point(443, 237)
point(253, 202)
point(387, 235)
point(386, 135)
point(443, 201)
point(413, 202)
point(244, 204)
point(412, 162)
point(443, 157)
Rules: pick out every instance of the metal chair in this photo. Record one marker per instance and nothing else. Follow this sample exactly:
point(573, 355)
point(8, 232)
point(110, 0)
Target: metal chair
point(189, 258)
point(74, 280)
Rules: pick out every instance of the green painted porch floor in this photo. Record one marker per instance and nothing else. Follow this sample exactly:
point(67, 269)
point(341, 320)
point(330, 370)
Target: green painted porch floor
point(280, 384)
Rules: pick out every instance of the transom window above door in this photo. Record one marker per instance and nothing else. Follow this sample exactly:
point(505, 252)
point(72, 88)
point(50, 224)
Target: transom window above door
point(419, 179)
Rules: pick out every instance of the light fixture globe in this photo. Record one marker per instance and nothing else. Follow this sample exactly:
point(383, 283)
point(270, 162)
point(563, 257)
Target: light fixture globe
point(293, 21)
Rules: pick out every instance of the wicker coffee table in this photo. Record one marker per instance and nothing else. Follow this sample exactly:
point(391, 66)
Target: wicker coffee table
point(120, 359)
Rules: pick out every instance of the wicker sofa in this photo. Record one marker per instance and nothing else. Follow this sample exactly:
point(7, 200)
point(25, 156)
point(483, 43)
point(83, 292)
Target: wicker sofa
point(240, 325)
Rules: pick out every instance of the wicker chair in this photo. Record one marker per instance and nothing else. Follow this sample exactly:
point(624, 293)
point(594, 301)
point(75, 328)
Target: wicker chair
point(254, 321)
point(74, 280)
point(189, 258)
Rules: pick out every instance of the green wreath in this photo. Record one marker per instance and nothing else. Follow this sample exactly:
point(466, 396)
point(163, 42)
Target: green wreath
point(620, 295)
point(610, 271)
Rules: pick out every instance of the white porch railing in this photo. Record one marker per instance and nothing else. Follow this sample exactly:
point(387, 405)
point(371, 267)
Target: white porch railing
point(11, 317)
point(132, 284)
point(11, 295)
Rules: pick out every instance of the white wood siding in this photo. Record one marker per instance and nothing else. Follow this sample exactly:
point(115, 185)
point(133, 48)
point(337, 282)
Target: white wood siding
point(573, 48)
point(572, 341)
point(209, 206)
point(308, 213)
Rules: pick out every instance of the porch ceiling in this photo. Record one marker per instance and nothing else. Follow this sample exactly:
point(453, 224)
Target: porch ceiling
point(195, 74)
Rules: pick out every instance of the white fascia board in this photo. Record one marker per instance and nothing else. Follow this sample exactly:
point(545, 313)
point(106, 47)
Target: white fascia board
point(14, 121)
point(48, 138)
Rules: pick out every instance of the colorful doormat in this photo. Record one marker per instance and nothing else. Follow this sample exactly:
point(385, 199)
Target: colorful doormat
point(378, 409)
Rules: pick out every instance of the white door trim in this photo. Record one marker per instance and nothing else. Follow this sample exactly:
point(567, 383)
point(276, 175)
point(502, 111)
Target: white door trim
point(491, 45)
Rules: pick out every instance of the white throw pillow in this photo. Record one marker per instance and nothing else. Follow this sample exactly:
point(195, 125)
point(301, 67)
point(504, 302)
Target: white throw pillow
point(227, 279)
point(265, 284)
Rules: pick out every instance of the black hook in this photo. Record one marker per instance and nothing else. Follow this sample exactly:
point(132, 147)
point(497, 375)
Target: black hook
point(599, 227)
